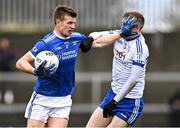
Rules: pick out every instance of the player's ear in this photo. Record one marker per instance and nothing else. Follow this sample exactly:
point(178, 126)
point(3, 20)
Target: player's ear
point(57, 21)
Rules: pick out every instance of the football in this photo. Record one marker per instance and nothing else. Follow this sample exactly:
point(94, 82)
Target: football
point(49, 56)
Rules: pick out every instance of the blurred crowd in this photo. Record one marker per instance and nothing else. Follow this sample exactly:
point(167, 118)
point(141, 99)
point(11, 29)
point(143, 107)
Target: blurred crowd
point(8, 55)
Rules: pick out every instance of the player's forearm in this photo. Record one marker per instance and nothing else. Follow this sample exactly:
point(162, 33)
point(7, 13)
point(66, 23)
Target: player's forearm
point(130, 83)
point(125, 90)
point(25, 66)
point(106, 40)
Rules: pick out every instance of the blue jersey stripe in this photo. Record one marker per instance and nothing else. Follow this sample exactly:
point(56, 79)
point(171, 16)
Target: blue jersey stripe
point(139, 48)
point(140, 45)
point(138, 64)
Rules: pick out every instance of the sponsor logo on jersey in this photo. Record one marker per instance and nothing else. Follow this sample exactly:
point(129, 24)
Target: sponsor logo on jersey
point(68, 55)
point(120, 55)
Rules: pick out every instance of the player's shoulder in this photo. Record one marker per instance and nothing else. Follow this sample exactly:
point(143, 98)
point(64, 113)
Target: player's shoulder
point(44, 41)
point(141, 38)
point(48, 37)
point(77, 35)
point(139, 44)
point(139, 41)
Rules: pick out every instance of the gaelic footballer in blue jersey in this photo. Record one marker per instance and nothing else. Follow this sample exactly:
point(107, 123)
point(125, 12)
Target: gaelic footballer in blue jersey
point(123, 104)
point(51, 100)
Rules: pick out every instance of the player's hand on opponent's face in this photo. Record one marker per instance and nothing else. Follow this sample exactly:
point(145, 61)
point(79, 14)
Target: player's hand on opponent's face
point(108, 109)
point(127, 25)
point(46, 72)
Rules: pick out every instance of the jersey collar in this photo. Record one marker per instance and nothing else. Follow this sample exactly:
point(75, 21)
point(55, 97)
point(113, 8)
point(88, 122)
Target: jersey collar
point(133, 38)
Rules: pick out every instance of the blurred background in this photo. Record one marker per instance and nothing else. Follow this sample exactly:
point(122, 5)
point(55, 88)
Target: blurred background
point(23, 22)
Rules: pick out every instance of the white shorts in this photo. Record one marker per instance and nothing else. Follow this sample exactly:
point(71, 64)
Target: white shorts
point(42, 107)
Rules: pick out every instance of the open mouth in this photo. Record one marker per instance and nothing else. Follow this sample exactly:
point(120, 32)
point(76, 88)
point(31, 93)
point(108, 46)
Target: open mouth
point(70, 31)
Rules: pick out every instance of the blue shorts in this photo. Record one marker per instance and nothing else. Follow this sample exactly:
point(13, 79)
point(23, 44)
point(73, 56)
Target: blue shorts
point(127, 109)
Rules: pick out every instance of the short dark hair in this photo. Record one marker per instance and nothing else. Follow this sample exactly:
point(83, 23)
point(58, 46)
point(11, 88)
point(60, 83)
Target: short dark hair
point(139, 16)
point(62, 10)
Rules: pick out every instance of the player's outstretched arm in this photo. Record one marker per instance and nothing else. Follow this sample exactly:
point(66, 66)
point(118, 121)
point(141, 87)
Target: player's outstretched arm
point(24, 64)
point(104, 38)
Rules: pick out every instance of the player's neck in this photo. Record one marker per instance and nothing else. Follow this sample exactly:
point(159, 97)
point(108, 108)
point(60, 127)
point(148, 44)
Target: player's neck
point(58, 34)
point(132, 37)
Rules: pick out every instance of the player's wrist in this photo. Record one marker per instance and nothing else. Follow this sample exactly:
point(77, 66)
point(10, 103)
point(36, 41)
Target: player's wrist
point(90, 38)
point(116, 99)
point(34, 71)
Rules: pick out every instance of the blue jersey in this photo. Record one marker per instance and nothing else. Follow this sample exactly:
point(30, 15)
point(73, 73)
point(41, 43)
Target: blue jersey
point(62, 82)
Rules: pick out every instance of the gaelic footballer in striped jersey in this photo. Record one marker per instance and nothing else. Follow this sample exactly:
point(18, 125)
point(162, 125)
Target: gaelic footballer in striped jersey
point(123, 103)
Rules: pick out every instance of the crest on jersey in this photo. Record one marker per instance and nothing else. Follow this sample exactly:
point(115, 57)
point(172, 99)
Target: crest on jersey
point(74, 42)
point(120, 41)
point(58, 48)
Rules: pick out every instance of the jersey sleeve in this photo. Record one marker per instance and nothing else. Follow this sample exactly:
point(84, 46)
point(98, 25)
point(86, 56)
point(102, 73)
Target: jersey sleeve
point(83, 36)
point(96, 35)
point(140, 54)
point(78, 36)
point(38, 47)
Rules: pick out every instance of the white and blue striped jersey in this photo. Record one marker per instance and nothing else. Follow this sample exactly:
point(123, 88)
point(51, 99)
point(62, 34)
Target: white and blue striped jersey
point(128, 53)
point(66, 49)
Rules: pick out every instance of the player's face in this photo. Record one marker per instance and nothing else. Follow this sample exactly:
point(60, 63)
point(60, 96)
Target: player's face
point(136, 29)
point(67, 26)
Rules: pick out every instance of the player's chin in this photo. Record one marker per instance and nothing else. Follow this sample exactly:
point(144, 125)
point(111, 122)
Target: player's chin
point(70, 31)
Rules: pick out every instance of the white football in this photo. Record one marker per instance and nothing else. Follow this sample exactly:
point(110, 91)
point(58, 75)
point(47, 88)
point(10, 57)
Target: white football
point(49, 56)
